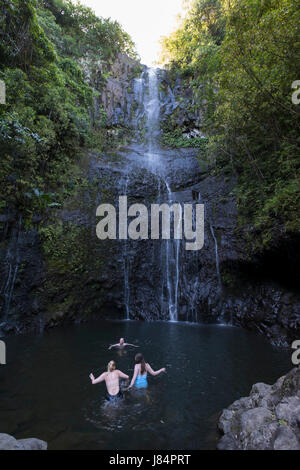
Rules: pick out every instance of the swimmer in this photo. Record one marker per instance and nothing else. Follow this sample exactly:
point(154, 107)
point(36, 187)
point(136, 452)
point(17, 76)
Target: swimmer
point(112, 380)
point(140, 376)
point(122, 345)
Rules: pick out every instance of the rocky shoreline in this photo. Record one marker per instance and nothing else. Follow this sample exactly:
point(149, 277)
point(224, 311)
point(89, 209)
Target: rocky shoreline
point(269, 419)
point(8, 442)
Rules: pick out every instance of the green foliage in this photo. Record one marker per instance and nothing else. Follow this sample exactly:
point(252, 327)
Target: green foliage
point(79, 34)
point(64, 248)
point(71, 259)
point(282, 422)
point(255, 107)
point(243, 57)
point(46, 49)
point(193, 52)
point(175, 139)
point(194, 43)
point(23, 43)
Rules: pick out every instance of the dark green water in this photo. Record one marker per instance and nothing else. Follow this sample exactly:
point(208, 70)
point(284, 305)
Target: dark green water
point(46, 393)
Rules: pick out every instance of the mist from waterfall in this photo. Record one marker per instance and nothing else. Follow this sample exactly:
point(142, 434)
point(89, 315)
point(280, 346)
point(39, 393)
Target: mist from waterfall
point(152, 113)
point(170, 249)
point(174, 273)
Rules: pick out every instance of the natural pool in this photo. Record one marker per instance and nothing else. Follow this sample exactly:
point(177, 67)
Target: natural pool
point(46, 392)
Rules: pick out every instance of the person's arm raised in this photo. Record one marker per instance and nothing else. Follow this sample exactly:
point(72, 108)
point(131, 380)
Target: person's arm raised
point(99, 380)
point(153, 372)
point(113, 346)
point(133, 345)
point(123, 376)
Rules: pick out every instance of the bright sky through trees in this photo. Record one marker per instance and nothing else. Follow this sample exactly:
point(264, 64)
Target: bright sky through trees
point(145, 20)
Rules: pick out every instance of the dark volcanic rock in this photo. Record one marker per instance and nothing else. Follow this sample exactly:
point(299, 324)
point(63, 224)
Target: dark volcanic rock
point(78, 276)
point(236, 296)
point(266, 420)
point(22, 273)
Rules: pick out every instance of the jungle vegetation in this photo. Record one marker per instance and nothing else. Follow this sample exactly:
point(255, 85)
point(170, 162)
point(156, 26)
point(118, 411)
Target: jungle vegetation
point(241, 58)
point(55, 56)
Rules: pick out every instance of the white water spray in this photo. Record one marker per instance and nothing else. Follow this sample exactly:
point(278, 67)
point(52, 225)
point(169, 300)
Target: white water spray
point(171, 255)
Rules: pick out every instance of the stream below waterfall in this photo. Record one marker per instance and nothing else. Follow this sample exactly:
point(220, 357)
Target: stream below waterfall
point(46, 392)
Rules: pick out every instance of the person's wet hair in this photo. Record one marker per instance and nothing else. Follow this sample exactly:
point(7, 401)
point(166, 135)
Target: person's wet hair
point(139, 359)
point(111, 366)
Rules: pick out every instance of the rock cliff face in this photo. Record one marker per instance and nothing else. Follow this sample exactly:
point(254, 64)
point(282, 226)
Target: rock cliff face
point(251, 293)
point(268, 419)
point(52, 276)
point(117, 97)
point(180, 104)
point(22, 275)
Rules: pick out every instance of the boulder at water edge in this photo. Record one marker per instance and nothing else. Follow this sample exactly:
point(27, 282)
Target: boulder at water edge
point(8, 442)
point(269, 419)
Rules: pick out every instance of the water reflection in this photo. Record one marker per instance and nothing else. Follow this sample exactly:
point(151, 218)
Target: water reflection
point(46, 391)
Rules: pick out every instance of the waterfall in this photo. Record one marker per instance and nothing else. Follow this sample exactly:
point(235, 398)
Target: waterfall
point(177, 292)
point(170, 249)
point(152, 114)
point(192, 310)
point(126, 268)
point(126, 282)
point(138, 92)
point(217, 257)
point(173, 267)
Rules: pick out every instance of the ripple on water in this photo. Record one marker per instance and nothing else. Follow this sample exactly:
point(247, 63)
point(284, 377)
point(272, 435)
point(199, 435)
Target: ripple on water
point(46, 392)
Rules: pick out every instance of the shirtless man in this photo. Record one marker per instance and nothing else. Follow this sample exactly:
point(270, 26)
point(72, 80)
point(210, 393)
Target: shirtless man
point(111, 379)
point(122, 345)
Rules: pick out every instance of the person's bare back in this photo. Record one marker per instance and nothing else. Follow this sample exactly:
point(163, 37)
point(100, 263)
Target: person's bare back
point(112, 380)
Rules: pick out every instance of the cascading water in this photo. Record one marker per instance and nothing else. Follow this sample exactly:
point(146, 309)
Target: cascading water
point(170, 248)
point(171, 274)
point(173, 266)
point(138, 91)
point(217, 257)
point(126, 268)
point(152, 115)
